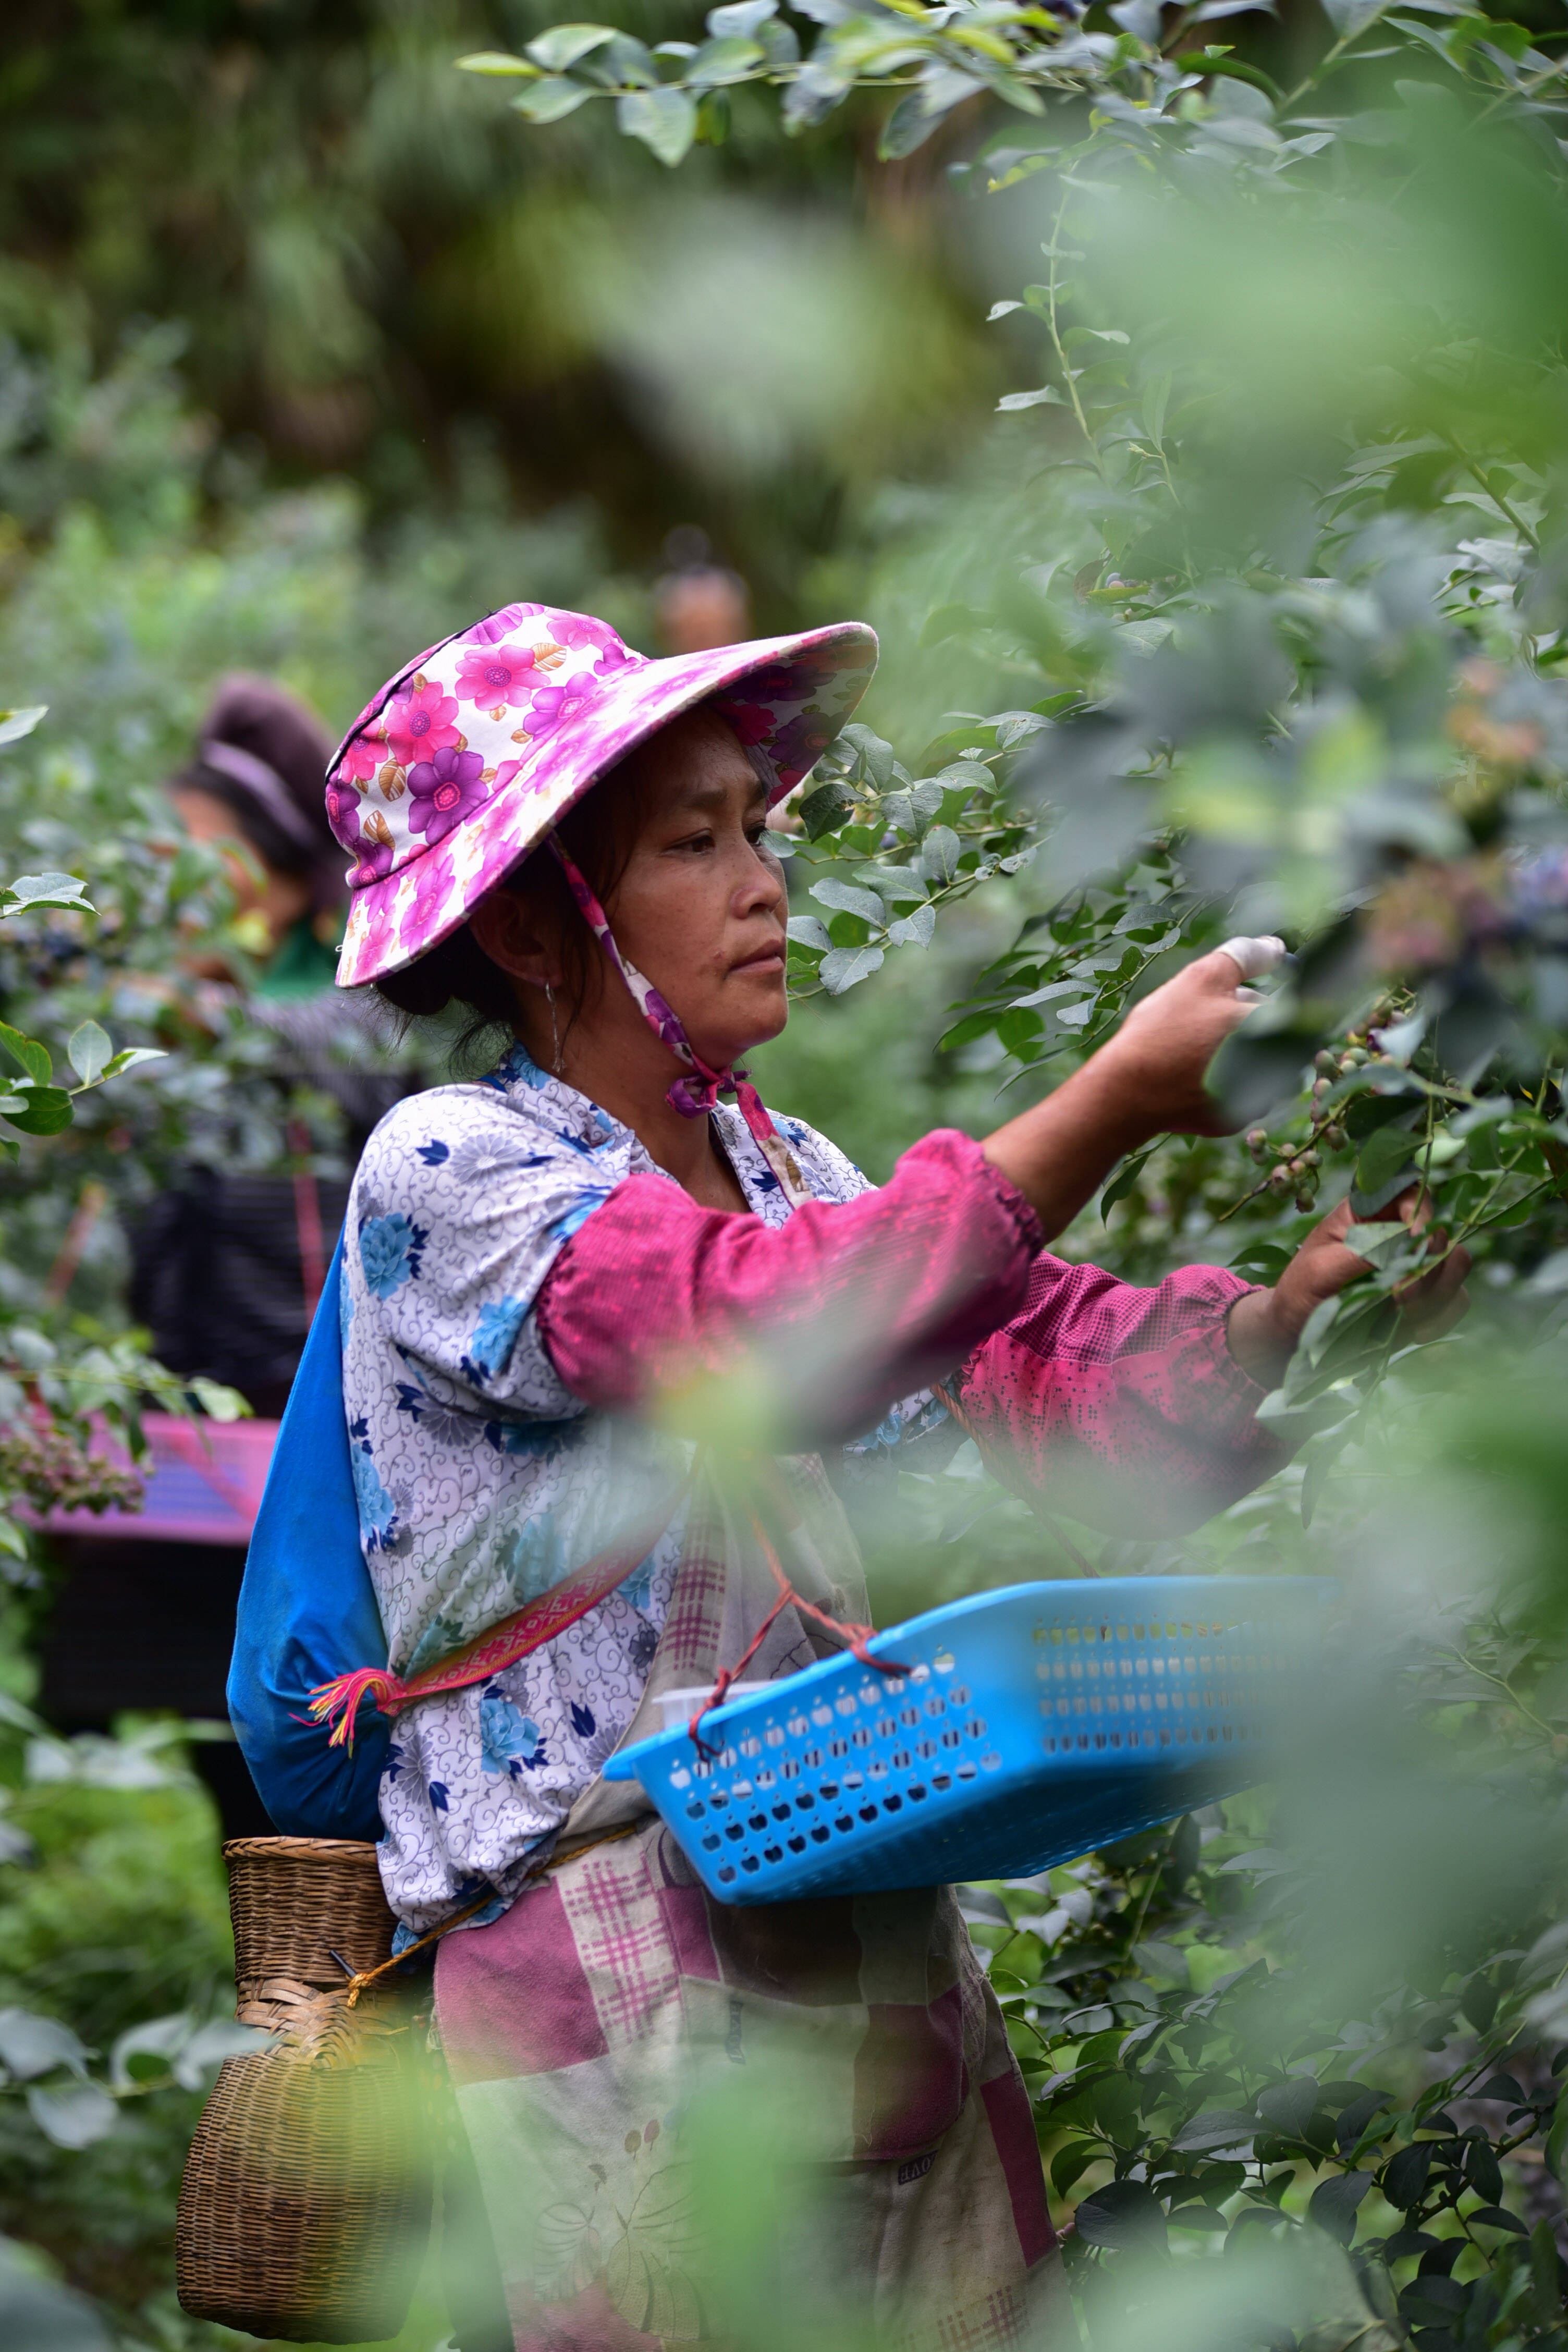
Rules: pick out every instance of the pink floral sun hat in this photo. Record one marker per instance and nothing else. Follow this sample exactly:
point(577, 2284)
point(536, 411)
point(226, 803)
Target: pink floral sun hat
point(464, 761)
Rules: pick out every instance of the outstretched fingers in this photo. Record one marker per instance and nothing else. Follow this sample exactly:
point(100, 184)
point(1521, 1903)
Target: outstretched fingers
point(1252, 959)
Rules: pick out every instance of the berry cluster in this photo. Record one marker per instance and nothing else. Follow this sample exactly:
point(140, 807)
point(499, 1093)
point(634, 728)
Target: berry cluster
point(1298, 1167)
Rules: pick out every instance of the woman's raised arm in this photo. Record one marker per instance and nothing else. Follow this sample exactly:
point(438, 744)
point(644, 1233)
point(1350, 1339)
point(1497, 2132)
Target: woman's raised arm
point(847, 1307)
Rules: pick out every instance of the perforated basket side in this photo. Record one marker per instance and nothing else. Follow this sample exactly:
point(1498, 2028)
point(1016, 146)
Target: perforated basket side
point(1025, 1726)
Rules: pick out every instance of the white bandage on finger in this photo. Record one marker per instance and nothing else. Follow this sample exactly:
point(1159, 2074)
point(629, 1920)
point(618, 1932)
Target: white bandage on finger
point(1253, 958)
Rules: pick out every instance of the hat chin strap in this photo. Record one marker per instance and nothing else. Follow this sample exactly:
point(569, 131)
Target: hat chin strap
point(696, 1095)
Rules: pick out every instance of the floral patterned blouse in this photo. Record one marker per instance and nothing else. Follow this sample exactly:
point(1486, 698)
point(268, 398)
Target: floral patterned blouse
point(481, 1480)
point(495, 1369)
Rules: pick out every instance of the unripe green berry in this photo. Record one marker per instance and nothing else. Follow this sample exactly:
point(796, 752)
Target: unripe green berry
point(1305, 1200)
point(1335, 1137)
point(1281, 1179)
point(1326, 1062)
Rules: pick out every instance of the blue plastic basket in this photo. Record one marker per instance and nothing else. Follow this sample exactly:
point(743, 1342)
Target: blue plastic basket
point(1030, 1725)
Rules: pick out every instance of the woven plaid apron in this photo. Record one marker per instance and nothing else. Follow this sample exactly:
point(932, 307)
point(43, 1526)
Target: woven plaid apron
point(688, 2118)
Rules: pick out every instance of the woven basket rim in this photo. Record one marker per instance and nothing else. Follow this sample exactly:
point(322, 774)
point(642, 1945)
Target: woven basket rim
point(297, 1849)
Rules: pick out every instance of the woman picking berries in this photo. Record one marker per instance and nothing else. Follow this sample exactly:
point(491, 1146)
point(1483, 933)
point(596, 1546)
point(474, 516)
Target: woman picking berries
point(553, 1281)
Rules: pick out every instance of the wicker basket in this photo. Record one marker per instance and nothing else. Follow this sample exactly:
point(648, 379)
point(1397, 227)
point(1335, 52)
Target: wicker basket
point(305, 2207)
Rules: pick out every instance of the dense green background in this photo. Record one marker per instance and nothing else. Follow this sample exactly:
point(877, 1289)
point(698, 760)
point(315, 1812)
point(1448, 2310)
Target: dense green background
point(309, 350)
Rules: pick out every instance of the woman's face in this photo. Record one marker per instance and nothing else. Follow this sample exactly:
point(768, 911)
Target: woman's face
point(701, 907)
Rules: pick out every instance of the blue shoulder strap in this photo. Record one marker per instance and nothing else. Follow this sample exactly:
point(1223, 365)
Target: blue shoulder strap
point(307, 1610)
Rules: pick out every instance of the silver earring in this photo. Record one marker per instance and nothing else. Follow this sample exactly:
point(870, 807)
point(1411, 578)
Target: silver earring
point(554, 1032)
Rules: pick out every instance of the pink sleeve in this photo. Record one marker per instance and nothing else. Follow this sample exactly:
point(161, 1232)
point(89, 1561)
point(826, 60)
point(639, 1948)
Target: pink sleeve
point(1121, 1407)
point(855, 1303)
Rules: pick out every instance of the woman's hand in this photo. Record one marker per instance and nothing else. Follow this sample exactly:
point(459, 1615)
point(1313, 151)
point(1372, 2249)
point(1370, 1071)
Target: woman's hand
point(1147, 1081)
point(1265, 1326)
point(1155, 1063)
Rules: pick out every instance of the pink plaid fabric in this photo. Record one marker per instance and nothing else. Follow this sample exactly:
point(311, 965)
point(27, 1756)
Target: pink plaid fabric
point(586, 2025)
point(1121, 1407)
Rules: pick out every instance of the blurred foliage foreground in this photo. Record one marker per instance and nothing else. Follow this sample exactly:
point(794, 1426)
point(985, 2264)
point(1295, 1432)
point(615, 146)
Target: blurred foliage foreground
point(1261, 621)
point(1249, 614)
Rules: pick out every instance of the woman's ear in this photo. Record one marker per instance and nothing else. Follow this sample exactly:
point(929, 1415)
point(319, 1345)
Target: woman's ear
point(508, 930)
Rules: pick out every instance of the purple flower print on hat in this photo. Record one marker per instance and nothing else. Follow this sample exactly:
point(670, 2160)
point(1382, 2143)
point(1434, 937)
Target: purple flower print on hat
point(361, 758)
point(575, 629)
point(470, 752)
point(342, 812)
point(374, 848)
point(498, 678)
point(420, 722)
point(444, 790)
point(555, 706)
point(800, 743)
point(567, 633)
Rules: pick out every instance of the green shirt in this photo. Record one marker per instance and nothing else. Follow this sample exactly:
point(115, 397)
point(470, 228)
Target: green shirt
point(301, 964)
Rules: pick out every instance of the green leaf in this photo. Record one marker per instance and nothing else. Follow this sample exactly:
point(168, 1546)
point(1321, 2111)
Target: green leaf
point(1160, 1960)
point(1124, 2214)
point(815, 90)
point(496, 61)
point(550, 100)
point(1404, 2179)
point(740, 19)
point(712, 130)
point(717, 62)
point(32, 1056)
point(561, 45)
point(131, 1057)
point(1288, 2106)
point(14, 724)
point(664, 120)
point(1380, 1241)
point(939, 852)
point(913, 930)
point(219, 1403)
point(75, 2116)
point(48, 1110)
point(1072, 2162)
point(1218, 2128)
point(1120, 1184)
point(847, 900)
point(827, 807)
point(1333, 2204)
point(843, 968)
point(46, 891)
point(1349, 17)
point(31, 2044)
point(1557, 2138)
point(1384, 1155)
point(161, 2038)
point(90, 1049)
point(910, 125)
point(1047, 393)
point(1495, 2217)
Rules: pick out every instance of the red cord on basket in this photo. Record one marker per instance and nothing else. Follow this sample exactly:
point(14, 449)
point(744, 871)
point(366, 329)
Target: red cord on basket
point(857, 1636)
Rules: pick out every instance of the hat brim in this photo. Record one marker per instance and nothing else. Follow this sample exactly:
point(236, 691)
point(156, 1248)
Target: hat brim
point(813, 683)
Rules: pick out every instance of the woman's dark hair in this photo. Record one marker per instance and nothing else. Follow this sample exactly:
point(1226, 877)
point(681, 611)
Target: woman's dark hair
point(600, 833)
point(274, 782)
